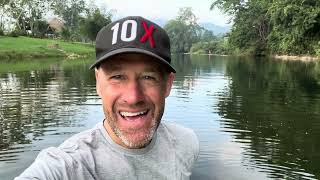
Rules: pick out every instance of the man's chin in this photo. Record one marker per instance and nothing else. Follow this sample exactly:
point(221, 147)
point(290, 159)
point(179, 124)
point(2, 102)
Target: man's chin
point(136, 140)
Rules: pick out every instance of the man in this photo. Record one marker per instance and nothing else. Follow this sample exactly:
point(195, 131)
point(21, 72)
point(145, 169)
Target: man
point(133, 78)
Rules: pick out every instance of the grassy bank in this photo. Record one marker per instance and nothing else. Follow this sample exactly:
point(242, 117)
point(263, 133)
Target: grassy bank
point(26, 47)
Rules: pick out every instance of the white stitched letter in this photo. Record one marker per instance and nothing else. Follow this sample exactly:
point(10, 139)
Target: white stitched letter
point(133, 32)
point(115, 30)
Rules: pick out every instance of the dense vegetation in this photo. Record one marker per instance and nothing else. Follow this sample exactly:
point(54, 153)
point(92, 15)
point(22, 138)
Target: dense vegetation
point(261, 27)
point(188, 36)
point(81, 20)
point(273, 27)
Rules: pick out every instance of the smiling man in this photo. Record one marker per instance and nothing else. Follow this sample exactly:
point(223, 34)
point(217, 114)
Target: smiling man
point(132, 88)
point(133, 79)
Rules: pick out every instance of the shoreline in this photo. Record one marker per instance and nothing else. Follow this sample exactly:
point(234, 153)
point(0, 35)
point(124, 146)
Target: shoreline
point(275, 56)
point(14, 55)
point(25, 48)
point(296, 58)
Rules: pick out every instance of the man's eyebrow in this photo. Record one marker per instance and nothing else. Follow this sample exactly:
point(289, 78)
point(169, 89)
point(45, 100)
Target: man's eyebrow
point(112, 68)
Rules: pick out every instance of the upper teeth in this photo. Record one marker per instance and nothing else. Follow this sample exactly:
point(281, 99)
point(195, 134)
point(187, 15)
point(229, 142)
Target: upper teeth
point(130, 114)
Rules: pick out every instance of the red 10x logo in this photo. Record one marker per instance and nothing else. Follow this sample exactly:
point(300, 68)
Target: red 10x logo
point(132, 35)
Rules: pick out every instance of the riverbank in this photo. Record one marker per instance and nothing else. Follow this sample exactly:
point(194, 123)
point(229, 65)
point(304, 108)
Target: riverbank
point(296, 58)
point(280, 57)
point(26, 47)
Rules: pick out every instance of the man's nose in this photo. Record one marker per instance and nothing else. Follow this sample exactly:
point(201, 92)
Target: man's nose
point(133, 94)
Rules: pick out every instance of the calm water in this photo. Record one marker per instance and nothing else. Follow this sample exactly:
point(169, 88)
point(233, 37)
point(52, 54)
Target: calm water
point(255, 118)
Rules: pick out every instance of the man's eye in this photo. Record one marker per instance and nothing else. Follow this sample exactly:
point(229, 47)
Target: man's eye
point(117, 77)
point(149, 78)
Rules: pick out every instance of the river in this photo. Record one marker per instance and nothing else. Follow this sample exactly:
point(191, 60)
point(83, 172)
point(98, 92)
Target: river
point(255, 118)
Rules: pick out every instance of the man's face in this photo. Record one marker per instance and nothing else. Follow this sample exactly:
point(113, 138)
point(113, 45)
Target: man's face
point(133, 90)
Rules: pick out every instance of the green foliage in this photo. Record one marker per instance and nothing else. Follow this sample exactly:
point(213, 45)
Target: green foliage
point(199, 47)
point(295, 26)
point(281, 27)
point(183, 31)
point(42, 27)
point(176, 32)
point(207, 35)
point(65, 34)
point(187, 36)
point(16, 33)
point(317, 49)
point(1, 32)
point(70, 11)
point(26, 15)
point(206, 47)
point(27, 18)
point(250, 29)
point(93, 23)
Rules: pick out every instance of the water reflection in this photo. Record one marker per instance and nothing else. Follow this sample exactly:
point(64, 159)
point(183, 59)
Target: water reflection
point(274, 107)
point(256, 119)
point(37, 102)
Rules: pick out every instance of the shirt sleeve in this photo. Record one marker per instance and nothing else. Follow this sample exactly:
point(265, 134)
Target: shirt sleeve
point(50, 164)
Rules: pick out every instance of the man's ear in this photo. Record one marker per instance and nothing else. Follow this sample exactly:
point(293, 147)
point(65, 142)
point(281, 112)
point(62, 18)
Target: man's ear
point(96, 71)
point(169, 84)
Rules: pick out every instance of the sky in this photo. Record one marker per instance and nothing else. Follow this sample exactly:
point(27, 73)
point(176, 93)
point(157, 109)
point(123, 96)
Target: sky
point(165, 9)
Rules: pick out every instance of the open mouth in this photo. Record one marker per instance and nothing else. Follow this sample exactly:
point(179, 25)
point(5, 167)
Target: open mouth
point(131, 116)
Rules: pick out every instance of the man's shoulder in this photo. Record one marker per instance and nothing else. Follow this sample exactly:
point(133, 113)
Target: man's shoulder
point(73, 148)
point(181, 135)
point(179, 131)
point(87, 138)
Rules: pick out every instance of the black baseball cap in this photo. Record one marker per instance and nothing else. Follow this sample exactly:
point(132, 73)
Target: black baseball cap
point(133, 34)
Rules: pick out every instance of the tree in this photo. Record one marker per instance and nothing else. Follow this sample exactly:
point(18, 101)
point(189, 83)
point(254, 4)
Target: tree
point(3, 7)
point(94, 21)
point(71, 11)
point(26, 15)
point(176, 32)
point(80, 21)
point(260, 27)
point(207, 35)
point(251, 24)
point(36, 11)
point(66, 34)
point(16, 9)
point(183, 31)
point(296, 26)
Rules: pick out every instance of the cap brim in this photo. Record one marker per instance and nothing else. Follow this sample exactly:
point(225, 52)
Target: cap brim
point(132, 50)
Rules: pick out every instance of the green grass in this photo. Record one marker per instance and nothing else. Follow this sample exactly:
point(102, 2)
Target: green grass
point(17, 65)
point(26, 47)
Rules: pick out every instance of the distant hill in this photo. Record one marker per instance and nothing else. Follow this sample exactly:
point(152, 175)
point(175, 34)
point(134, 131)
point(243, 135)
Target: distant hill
point(215, 28)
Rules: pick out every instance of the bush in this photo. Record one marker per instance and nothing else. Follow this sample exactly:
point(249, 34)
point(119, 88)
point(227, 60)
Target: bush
point(16, 33)
point(317, 50)
point(1, 32)
point(65, 34)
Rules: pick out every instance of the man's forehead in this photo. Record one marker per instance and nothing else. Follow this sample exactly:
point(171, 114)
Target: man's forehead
point(118, 62)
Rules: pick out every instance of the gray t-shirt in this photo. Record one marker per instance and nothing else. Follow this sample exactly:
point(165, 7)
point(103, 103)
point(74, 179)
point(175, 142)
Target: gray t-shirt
point(93, 155)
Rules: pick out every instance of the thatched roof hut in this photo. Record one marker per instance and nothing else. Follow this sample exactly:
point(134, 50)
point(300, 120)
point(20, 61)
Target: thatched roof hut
point(56, 23)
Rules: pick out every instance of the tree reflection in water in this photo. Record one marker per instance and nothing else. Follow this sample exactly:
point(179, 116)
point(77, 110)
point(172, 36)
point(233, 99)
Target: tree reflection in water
point(38, 101)
point(270, 108)
point(276, 105)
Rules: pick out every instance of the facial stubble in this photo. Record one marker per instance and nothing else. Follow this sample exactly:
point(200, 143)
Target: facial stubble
point(124, 136)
